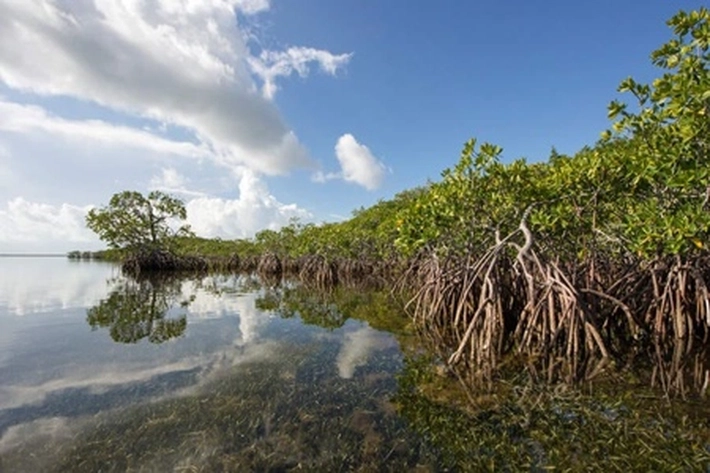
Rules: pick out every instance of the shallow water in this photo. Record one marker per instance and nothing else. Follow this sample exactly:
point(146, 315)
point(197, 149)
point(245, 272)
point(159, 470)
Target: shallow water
point(93, 365)
point(103, 373)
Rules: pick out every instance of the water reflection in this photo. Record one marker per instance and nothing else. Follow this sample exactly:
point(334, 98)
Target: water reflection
point(49, 285)
point(331, 307)
point(138, 309)
point(680, 369)
point(282, 378)
point(237, 386)
point(358, 346)
point(523, 425)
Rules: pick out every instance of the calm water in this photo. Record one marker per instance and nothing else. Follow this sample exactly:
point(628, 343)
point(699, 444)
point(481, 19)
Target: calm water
point(102, 373)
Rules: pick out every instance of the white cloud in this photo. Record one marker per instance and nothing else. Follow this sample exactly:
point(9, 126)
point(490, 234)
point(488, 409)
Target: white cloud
point(35, 226)
point(153, 94)
point(6, 173)
point(184, 63)
point(29, 119)
point(255, 209)
point(22, 221)
point(250, 7)
point(62, 227)
point(321, 177)
point(172, 182)
point(169, 179)
point(271, 65)
point(357, 163)
point(53, 160)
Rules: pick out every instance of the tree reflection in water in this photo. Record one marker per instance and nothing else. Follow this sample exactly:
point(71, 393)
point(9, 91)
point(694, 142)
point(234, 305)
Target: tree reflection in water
point(138, 308)
point(305, 407)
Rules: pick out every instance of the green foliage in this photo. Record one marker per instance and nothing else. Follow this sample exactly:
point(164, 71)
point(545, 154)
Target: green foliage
point(475, 196)
point(667, 173)
point(102, 255)
point(642, 190)
point(369, 234)
point(135, 222)
point(213, 247)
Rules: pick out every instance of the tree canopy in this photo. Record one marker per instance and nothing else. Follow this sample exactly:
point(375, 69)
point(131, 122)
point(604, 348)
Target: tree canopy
point(135, 222)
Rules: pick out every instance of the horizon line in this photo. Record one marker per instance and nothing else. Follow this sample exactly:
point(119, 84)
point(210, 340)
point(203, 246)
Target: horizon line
point(33, 254)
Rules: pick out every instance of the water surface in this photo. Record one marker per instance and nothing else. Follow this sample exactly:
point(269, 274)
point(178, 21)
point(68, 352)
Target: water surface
point(224, 373)
point(102, 372)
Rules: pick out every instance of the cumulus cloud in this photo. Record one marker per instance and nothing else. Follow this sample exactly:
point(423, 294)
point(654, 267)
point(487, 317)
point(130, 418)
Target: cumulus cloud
point(251, 7)
point(168, 179)
point(29, 225)
point(24, 221)
point(357, 164)
point(255, 209)
point(158, 90)
point(184, 63)
point(321, 177)
point(172, 182)
point(62, 227)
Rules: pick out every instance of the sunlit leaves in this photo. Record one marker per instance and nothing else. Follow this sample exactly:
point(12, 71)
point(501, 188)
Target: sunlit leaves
point(616, 108)
point(133, 221)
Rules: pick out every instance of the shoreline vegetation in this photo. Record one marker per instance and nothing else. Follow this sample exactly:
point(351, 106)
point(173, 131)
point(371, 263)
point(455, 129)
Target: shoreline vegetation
point(571, 267)
point(100, 255)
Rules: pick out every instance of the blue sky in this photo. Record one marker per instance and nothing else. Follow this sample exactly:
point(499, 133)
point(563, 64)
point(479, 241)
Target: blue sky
point(256, 111)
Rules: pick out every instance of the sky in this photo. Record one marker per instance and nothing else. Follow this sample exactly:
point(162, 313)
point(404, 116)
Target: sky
point(255, 112)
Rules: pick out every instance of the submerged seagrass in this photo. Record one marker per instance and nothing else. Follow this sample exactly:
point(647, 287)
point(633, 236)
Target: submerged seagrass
point(285, 376)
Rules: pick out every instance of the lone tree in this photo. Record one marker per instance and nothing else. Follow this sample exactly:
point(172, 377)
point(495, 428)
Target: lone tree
point(137, 223)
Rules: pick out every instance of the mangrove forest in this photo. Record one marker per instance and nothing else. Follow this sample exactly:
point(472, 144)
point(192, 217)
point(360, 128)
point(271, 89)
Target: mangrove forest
point(569, 268)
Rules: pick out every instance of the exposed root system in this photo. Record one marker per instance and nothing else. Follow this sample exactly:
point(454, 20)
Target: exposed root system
point(567, 319)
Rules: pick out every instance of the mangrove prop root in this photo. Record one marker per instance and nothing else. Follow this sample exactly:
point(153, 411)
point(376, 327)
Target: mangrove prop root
point(569, 315)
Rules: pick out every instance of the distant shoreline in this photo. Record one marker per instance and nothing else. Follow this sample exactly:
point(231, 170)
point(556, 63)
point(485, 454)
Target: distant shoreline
point(32, 255)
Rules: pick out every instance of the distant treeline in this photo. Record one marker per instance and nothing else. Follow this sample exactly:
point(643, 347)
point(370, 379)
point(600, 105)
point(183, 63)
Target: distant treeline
point(103, 255)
